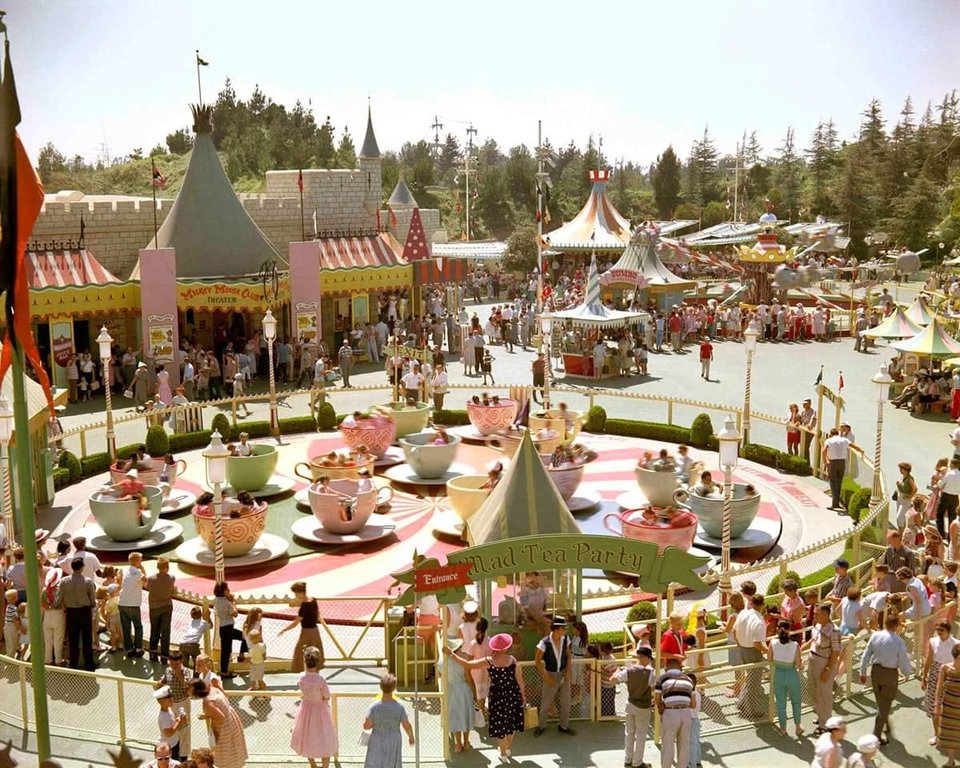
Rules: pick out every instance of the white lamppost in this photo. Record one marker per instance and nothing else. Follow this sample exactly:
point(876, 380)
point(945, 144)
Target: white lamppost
point(215, 455)
point(729, 440)
point(546, 331)
point(750, 337)
point(105, 342)
point(6, 434)
point(270, 334)
point(881, 381)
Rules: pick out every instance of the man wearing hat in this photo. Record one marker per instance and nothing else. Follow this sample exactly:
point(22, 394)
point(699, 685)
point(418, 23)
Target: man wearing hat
point(176, 679)
point(808, 419)
point(641, 680)
point(80, 602)
point(554, 661)
point(169, 721)
point(674, 695)
point(836, 448)
point(886, 654)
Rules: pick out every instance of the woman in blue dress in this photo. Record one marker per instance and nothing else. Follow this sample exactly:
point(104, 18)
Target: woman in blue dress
point(385, 718)
point(460, 697)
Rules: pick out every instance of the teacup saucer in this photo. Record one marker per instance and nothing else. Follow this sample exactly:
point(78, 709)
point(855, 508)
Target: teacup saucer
point(310, 529)
point(163, 532)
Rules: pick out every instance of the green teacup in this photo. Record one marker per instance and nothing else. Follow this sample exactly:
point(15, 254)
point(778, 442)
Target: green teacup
point(125, 520)
point(253, 472)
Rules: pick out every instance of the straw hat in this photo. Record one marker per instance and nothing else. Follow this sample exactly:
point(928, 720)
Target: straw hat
point(868, 744)
point(133, 473)
point(501, 642)
point(931, 531)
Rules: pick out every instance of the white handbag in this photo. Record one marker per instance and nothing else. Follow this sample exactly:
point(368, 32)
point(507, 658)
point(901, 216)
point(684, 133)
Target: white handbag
point(479, 721)
point(364, 738)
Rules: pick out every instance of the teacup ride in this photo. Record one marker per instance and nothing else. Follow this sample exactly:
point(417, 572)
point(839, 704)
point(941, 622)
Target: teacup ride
point(465, 495)
point(746, 529)
point(245, 541)
point(255, 473)
point(429, 461)
point(508, 441)
point(567, 477)
point(656, 489)
point(343, 514)
point(344, 466)
point(490, 419)
point(663, 528)
point(155, 471)
point(567, 423)
point(376, 433)
point(409, 418)
point(124, 525)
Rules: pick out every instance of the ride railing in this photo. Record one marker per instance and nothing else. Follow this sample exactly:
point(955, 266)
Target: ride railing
point(112, 709)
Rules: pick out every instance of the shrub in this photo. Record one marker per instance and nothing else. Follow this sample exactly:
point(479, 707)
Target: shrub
point(71, 463)
point(771, 457)
point(447, 418)
point(774, 586)
point(297, 424)
point(61, 478)
point(642, 611)
point(596, 420)
point(794, 465)
point(614, 637)
point(94, 464)
point(859, 503)
point(158, 444)
point(701, 431)
point(127, 451)
point(326, 417)
point(188, 441)
point(847, 489)
point(869, 535)
point(252, 428)
point(221, 424)
point(761, 454)
point(665, 432)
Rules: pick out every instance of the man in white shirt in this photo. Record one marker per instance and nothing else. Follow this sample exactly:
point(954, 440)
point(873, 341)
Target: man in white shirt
point(162, 757)
point(189, 375)
point(949, 496)
point(413, 383)
point(835, 452)
point(808, 419)
point(554, 660)
point(750, 632)
point(955, 439)
point(641, 681)
point(91, 563)
point(131, 599)
point(507, 324)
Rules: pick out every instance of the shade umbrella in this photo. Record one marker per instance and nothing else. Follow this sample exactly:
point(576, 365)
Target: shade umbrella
point(897, 326)
point(932, 341)
point(919, 312)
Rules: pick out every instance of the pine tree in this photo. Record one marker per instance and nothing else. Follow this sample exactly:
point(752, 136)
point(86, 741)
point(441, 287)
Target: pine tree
point(789, 177)
point(324, 152)
point(853, 194)
point(916, 213)
point(899, 165)
point(702, 171)
point(346, 152)
point(666, 183)
point(751, 151)
point(821, 159)
point(449, 154)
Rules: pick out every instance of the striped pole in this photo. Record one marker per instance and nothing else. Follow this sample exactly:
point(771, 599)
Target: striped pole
point(218, 566)
point(875, 493)
point(725, 586)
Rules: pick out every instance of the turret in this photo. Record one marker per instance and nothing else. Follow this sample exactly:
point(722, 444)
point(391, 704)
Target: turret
point(369, 163)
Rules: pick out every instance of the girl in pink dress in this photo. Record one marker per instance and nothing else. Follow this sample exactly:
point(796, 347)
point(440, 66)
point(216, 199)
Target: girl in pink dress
point(163, 385)
point(479, 648)
point(314, 734)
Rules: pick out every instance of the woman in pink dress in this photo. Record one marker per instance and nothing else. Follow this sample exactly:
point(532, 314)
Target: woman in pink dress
point(163, 386)
point(314, 734)
point(230, 746)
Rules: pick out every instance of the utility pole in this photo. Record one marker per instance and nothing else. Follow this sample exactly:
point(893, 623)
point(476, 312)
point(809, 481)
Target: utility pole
point(471, 132)
point(736, 184)
point(437, 127)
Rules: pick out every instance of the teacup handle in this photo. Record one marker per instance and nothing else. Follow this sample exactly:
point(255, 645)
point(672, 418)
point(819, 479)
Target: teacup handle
point(415, 451)
point(606, 523)
point(494, 442)
point(381, 499)
point(181, 466)
point(296, 470)
point(680, 495)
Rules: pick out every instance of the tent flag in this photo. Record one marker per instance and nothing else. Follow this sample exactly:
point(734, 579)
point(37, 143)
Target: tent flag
point(21, 197)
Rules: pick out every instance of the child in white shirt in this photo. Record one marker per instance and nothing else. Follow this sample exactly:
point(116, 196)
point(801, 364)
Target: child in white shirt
point(193, 635)
point(258, 661)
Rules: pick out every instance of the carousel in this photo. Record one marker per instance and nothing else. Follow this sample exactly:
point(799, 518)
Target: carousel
point(589, 332)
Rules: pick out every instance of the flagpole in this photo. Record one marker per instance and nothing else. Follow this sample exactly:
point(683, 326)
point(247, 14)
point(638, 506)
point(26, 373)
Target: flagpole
point(540, 226)
point(199, 91)
point(153, 187)
point(28, 524)
point(303, 229)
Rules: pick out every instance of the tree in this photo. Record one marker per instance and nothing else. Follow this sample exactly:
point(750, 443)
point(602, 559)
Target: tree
point(136, 153)
point(521, 253)
point(916, 213)
point(666, 183)
point(702, 171)
point(324, 152)
point(449, 154)
point(49, 161)
point(853, 194)
point(179, 142)
point(788, 176)
point(520, 180)
point(821, 160)
point(346, 153)
point(899, 163)
point(417, 162)
point(158, 151)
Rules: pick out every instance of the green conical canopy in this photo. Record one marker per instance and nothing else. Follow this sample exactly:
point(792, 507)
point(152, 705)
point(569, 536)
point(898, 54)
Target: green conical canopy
point(524, 503)
point(897, 326)
point(208, 226)
point(933, 341)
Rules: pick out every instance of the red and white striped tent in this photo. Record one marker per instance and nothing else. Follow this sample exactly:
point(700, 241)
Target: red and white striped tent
point(62, 268)
point(357, 252)
point(598, 227)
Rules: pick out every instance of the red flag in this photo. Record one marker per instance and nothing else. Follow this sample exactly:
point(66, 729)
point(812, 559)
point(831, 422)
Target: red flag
point(300, 181)
point(21, 197)
point(840, 388)
point(444, 577)
point(159, 180)
point(378, 220)
point(393, 216)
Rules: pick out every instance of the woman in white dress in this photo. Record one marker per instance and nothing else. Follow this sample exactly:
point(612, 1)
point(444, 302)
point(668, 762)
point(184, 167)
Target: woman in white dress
point(827, 751)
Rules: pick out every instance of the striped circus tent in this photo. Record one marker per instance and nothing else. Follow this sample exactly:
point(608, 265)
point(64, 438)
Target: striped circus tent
point(919, 312)
point(932, 341)
point(897, 326)
point(524, 503)
point(598, 227)
point(592, 312)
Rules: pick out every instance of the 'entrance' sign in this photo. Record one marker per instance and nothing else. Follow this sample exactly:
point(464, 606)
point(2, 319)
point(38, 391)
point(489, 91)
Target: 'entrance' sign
point(439, 579)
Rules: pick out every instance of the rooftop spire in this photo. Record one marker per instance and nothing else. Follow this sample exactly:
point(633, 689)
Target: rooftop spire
point(370, 150)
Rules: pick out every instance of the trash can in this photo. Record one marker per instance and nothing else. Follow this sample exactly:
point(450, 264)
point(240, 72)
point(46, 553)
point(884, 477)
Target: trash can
point(410, 653)
point(394, 625)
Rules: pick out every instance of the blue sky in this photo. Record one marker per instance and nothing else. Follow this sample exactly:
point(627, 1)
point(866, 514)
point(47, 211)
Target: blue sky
point(641, 74)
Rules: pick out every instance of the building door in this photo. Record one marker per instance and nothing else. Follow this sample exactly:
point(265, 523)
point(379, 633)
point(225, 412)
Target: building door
point(42, 333)
point(81, 337)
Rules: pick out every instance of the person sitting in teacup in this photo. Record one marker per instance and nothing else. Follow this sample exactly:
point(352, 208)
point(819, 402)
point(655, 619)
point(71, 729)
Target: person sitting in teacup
point(139, 460)
point(364, 483)
point(131, 487)
point(706, 486)
point(247, 505)
point(203, 504)
point(581, 454)
point(347, 502)
point(441, 438)
point(493, 477)
point(232, 449)
point(559, 456)
point(244, 448)
point(644, 461)
point(684, 462)
point(678, 518)
point(663, 463)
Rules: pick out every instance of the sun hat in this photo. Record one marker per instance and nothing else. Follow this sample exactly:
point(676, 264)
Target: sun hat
point(41, 535)
point(454, 643)
point(931, 530)
point(162, 693)
point(868, 743)
point(558, 622)
point(639, 630)
point(132, 473)
point(834, 723)
point(141, 365)
point(501, 642)
point(471, 606)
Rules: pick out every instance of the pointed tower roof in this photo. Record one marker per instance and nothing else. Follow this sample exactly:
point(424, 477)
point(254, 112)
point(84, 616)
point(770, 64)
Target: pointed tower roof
point(208, 226)
point(370, 150)
point(919, 312)
point(641, 266)
point(402, 196)
point(525, 503)
point(598, 227)
point(592, 312)
point(416, 247)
